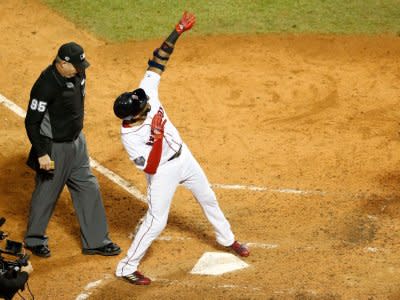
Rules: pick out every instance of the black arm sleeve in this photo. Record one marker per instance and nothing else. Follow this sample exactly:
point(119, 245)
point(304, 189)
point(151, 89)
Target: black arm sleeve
point(161, 55)
point(41, 94)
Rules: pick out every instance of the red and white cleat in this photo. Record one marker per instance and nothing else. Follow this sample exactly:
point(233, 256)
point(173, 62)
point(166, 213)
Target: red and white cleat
point(240, 249)
point(137, 278)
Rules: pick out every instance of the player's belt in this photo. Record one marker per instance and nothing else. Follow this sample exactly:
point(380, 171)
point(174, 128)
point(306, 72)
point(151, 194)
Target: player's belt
point(177, 154)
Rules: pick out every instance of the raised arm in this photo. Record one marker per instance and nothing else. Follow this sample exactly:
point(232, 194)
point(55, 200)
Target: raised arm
point(162, 54)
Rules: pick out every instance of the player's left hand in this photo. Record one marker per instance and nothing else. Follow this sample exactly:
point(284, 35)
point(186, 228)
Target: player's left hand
point(186, 23)
point(157, 126)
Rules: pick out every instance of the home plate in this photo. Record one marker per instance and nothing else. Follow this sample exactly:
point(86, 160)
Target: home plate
point(217, 263)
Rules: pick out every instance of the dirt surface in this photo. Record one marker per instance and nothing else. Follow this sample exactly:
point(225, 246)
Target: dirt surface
point(312, 113)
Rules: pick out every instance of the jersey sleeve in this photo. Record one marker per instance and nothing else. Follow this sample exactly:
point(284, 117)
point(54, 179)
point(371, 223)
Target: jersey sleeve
point(150, 83)
point(40, 96)
point(137, 149)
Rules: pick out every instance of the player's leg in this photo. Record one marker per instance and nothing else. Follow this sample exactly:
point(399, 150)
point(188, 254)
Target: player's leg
point(86, 197)
point(44, 197)
point(196, 181)
point(160, 191)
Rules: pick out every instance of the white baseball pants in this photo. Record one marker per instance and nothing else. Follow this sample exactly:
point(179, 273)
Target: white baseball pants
point(160, 191)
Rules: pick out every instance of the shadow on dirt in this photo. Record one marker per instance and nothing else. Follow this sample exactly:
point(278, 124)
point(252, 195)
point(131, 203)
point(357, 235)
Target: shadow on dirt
point(16, 182)
point(387, 203)
point(363, 219)
point(354, 229)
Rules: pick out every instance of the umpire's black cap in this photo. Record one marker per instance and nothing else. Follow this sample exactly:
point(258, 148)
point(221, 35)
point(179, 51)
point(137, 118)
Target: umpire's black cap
point(73, 53)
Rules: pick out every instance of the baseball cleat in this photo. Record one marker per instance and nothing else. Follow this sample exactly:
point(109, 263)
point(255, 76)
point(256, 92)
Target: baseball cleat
point(137, 278)
point(240, 249)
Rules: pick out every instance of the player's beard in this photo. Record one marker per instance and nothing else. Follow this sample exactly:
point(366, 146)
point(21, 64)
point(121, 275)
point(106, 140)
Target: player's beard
point(143, 115)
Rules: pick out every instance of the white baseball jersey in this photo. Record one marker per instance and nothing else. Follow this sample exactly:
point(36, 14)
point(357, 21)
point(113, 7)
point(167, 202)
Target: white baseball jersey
point(172, 171)
point(136, 140)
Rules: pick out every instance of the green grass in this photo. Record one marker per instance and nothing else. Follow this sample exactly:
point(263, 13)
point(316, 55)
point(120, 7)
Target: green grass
point(119, 20)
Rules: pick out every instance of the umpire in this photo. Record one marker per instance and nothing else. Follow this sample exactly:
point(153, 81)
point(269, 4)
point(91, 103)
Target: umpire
point(54, 123)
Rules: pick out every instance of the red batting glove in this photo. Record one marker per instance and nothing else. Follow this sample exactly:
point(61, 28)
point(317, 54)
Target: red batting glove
point(157, 126)
point(187, 21)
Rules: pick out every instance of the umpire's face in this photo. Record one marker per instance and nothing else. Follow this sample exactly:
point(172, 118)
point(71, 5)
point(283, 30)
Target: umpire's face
point(67, 69)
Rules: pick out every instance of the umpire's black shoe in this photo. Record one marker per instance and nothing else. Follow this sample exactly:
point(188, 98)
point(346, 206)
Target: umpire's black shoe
point(107, 250)
point(40, 250)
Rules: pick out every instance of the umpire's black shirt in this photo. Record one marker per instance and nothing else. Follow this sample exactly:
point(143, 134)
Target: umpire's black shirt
point(56, 109)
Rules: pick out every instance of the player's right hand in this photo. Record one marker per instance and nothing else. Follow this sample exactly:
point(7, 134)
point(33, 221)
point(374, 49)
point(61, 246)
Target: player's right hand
point(45, 162)
point(187, 21)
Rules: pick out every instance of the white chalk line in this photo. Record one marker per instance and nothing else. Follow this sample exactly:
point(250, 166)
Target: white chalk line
point(250, 244)
point(118, 180)
point(265, 189)
point(262, 245)
point(12, 106)
point(91, 286)
point(171, 238)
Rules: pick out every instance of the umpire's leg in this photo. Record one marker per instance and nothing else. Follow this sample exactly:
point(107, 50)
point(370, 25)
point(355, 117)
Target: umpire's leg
point(44, 197)
point(87, 200)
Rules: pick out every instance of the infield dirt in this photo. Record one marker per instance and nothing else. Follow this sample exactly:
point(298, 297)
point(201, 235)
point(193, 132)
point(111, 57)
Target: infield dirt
point(309, 112)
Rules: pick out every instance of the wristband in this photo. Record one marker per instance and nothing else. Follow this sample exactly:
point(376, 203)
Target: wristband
point(156, 54)
point(167, 48)
point(156, 65)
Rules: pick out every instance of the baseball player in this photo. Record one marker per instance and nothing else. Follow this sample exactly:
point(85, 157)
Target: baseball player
point(155, 146)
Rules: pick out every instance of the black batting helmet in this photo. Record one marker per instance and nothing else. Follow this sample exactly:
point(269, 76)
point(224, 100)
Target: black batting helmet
point(130, 104)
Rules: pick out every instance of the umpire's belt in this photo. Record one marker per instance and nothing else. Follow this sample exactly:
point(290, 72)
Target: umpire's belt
point(67, 140)
point(177, 154)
